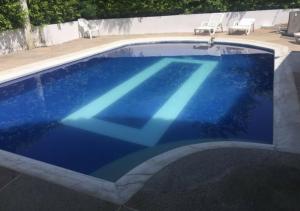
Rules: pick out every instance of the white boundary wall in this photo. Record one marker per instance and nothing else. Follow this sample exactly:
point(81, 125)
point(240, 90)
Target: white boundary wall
point(185, 23)
point(59, 33)
point(55, 34)
point(11, 41)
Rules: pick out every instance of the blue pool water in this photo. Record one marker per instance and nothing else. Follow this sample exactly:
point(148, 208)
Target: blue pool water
point(105, 114)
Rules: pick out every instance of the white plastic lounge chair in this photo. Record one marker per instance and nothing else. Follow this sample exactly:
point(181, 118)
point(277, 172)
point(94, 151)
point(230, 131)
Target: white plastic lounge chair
point(293, 25)
point(246, 24)
point(212, 25)
point(86, 28)
point(297, 37)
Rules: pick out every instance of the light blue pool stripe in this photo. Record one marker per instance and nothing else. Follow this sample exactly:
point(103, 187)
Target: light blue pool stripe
point(150, 134)
point(116, 93)
point(99, 104)
point(164, 117)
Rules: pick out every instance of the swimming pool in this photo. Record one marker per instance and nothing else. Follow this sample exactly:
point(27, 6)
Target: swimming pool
point(105, 114)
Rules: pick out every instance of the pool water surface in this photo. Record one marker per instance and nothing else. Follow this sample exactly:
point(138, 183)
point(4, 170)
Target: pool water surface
point(105, 114)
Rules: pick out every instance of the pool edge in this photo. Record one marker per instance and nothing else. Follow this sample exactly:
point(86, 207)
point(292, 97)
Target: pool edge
point(29, 69)
point(122, 190)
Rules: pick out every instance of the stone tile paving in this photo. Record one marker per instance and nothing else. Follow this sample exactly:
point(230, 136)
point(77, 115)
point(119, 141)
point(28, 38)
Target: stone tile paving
point(38, 54)
point(32, 194)
point(6, 176)
point(295, 56)
point(219, 179)
point(225, 179)
point(124, 208)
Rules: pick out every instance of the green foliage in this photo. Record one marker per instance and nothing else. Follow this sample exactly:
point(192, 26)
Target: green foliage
point(57, 11)
point(11, 14)
point(113, 8)
point(87, 9)
point(52, 11)
point(142, 8)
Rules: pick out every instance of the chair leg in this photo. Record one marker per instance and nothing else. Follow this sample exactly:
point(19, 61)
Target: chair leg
point(212, 32)
point(247, 32)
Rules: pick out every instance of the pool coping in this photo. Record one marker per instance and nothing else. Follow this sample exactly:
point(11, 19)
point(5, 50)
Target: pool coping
point(25, 70)
point(124, 188)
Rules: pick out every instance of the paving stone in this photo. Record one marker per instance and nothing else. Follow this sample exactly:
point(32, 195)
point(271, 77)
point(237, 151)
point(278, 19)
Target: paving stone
point(31, 194)
point(6, 176)
point(224, 179)
point(124, 208)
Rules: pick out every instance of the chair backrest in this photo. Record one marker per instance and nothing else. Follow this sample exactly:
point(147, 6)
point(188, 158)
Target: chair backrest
point(216, 19)
point(83, 23)
point(246, 21)
point(294, 22)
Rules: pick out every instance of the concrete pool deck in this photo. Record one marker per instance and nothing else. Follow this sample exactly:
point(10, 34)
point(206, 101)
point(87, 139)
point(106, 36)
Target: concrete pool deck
point(26, 57)
point(286, 135)
point(219, 179)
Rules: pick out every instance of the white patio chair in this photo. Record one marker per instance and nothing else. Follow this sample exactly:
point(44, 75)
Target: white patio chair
point(212, 25)
point(245, 24)
point(297, 37)
point(86, 28)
